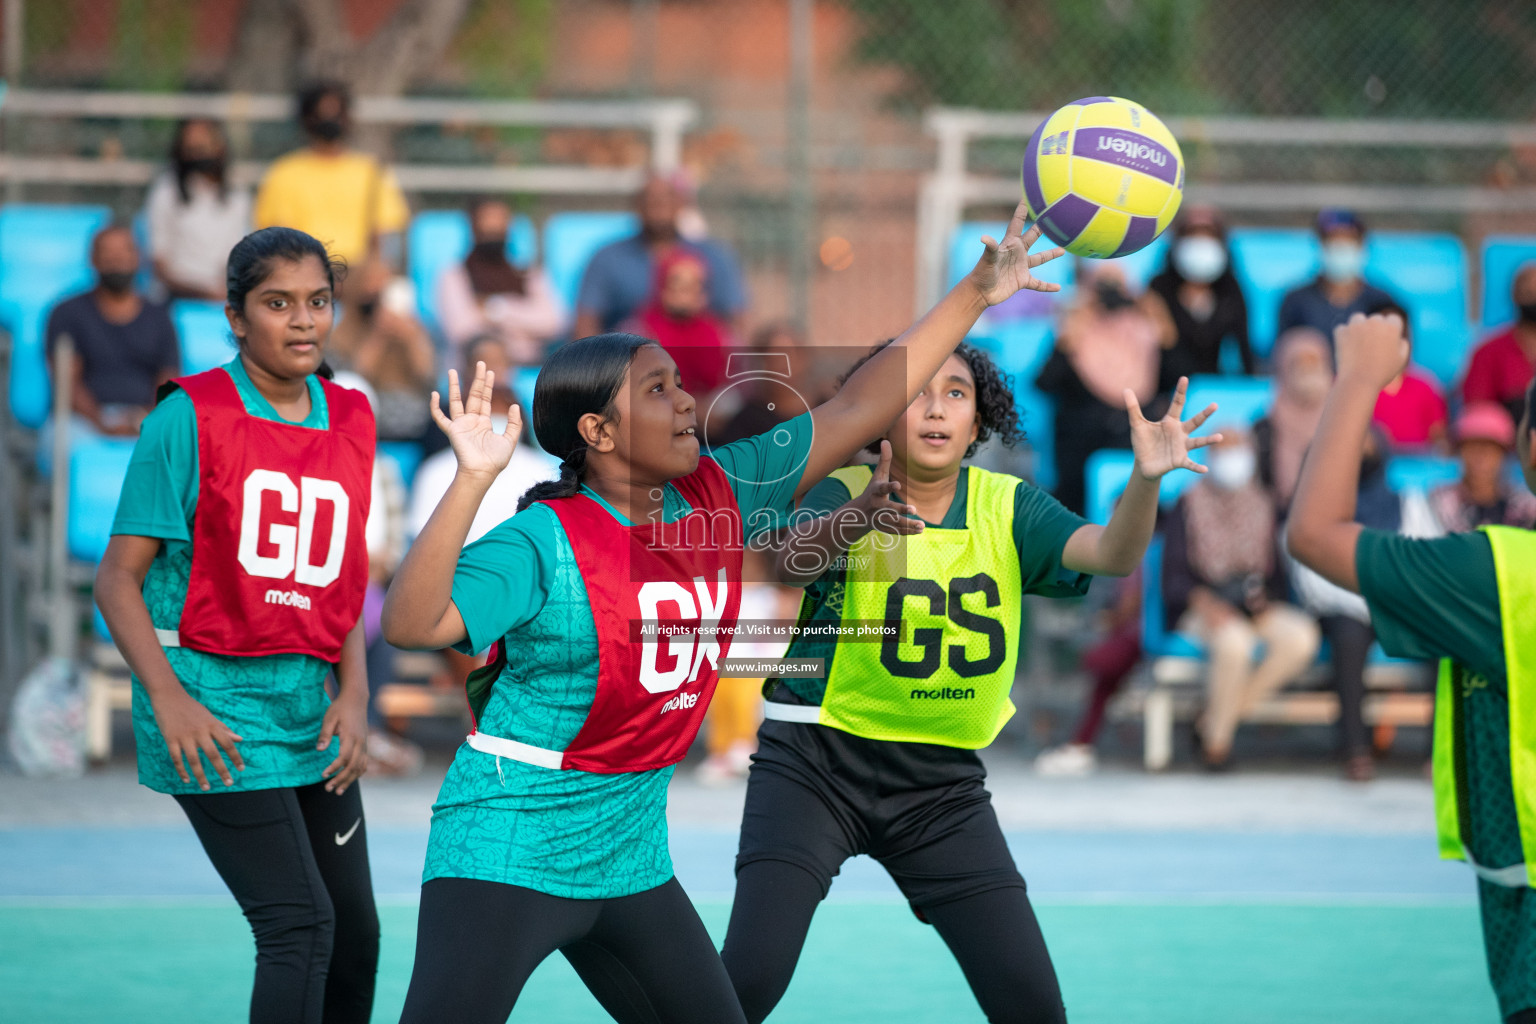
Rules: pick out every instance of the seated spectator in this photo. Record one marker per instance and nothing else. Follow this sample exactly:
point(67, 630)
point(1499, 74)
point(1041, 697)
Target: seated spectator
point(1410, 409)
point(347, 199)
point(776, 388)
point(1502, 367)
point(528, 466)
point(125, 345)
point(619, 278)
point(486, 294)
point(678, 317)
point(1303, 362)
point(1105, 343)
point(1484, 436)
point(194, 215)
point(1343, 617)
point(1340, 291)
point(379, 338)
point(1224, 583)
point(1197, 301)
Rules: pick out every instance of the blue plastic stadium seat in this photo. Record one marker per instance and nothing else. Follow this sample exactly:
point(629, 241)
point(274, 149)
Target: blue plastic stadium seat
point(406, 456)
point(1502, 256)
point(1268, 263)
point(1107, 472)
point(1037, 413)
point(1157, 640)
point(1239, 400)
point(203, 330)
point(571, 238)
point(97, 467)
point(44, 256)
point(1428, 274)
point(438, 238)
point(1421, 472)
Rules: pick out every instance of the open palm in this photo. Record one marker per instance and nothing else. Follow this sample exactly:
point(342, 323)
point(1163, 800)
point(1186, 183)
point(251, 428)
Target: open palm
point(475, 442)
point(1006, 267)
point(1164, 446)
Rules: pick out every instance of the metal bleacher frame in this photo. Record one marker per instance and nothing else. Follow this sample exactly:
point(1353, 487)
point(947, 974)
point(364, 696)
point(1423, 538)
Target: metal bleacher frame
point(664, 121)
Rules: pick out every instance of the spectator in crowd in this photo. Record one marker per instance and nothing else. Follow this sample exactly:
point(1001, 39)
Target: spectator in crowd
point(347, 199)
point(620, 276)
point(677, 316)
point(1303, 362)
point(125, 345)
point(775, 388)
point(380, 338)
point(486, 294)
point(1105, 344)
point(194, 215)
point(1340, 290)
point(1502, 367)
point(1484, 436)
point(1342, 616)
point(1197, 301)
point(1108, 663)
point(1410, 409)
point(1224, 582)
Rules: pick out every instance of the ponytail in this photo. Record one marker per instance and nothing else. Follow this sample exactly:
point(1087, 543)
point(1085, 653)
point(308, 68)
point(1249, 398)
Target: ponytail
point(572, 470)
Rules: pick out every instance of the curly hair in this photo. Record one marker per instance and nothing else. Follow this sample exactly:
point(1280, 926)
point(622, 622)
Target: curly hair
point(997, 412)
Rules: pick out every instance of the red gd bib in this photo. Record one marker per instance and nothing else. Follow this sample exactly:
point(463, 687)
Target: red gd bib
point(279, 560)
point(653, 690)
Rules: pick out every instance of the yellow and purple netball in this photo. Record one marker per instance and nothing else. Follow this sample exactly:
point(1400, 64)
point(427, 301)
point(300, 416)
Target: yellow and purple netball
point(1103, 177)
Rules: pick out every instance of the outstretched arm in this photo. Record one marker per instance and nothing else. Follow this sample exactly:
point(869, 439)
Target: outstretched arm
point(1160, 448)
point(1323, 533)
point(874, 396)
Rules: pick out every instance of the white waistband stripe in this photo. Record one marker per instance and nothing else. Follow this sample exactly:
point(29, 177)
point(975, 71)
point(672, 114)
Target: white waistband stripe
point(1512, 877)
point(168, 637)
point(808, 713)
point(515, 751)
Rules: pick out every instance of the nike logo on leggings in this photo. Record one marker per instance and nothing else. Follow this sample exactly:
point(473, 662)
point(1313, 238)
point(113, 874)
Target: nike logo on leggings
point(341, 840)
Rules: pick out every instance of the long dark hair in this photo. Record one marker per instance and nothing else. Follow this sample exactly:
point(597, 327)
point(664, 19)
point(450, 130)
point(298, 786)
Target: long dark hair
point(184, 167)
point(253, 258)
point(997, 412)
point(491, 273)
point(584, 376)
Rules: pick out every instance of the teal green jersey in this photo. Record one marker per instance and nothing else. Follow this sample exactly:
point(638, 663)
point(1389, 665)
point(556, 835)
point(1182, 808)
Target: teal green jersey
point(1041, 528)
point(581, 835)
point(275, 702)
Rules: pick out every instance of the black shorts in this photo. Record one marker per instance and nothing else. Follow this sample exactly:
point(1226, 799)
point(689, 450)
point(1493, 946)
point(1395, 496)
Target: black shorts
point(817, 796)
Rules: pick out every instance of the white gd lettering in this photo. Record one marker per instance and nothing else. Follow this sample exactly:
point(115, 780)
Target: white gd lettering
point(685, 649)
point(294, 544)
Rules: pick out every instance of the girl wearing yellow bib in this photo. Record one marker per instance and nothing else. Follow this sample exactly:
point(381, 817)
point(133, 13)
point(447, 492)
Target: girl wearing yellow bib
point(918, 601)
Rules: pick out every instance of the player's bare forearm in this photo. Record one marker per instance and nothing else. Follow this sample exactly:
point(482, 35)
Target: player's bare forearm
point(418, 609)
point(1323, 534)
point(1116, 549)
point(119, 592)
point(352, 671)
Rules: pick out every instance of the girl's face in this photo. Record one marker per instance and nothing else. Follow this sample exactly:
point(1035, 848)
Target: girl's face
point(657, 429)
point(287, 319)
point(940, 424)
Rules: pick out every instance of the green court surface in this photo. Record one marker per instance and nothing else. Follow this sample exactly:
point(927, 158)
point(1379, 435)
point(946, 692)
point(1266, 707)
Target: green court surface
point(154, 962)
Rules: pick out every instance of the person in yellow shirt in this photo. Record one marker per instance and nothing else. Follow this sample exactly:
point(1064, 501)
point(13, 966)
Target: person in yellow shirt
point(345, 198)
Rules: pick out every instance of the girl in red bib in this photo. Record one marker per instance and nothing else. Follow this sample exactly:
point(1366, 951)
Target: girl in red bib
point(609, 598)
point(233, 586)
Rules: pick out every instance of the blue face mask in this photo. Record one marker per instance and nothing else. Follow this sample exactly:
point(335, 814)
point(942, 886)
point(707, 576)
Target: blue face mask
point(1343, 261)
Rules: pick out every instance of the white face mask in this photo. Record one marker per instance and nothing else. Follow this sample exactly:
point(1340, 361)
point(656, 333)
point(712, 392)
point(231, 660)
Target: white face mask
point(1343, 261)
point(1231, 468)
point(1199, 259)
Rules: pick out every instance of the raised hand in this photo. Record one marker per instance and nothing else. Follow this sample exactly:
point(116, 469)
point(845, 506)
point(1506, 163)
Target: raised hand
point(1005, 267)
point(1373, 349)
point(1164, 446)
point(880, 505)
point(477, 446)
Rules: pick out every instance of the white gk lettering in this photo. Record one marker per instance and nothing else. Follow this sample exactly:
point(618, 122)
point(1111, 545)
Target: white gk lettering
point(294, 545)
point(687, 650)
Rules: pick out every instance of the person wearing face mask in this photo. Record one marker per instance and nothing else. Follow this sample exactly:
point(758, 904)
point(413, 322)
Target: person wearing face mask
point(486, 293)
point(125, 344)
point(1303, 364)
point(1224, 582)
point(195, 215)
point(1503, 366)
point(1340, 290)
point(1197, 301)
point(331, 191)
point(1106, 342)
point(1410, 409)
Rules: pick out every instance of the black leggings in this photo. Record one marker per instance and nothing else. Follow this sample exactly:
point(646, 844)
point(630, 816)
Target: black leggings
point(646, 957)
point(296, 860)
point(1351, 642)
point(993, 935)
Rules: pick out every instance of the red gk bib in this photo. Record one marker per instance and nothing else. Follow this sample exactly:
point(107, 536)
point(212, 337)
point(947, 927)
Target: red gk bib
point(279, 561)
point(657, 592)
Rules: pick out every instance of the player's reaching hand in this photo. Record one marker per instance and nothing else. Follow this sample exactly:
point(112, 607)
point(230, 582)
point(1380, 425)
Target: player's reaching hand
point(880, 506)
point(1371, 350)
point(477, 446)
point(1006, 266)
point(1164, 446)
